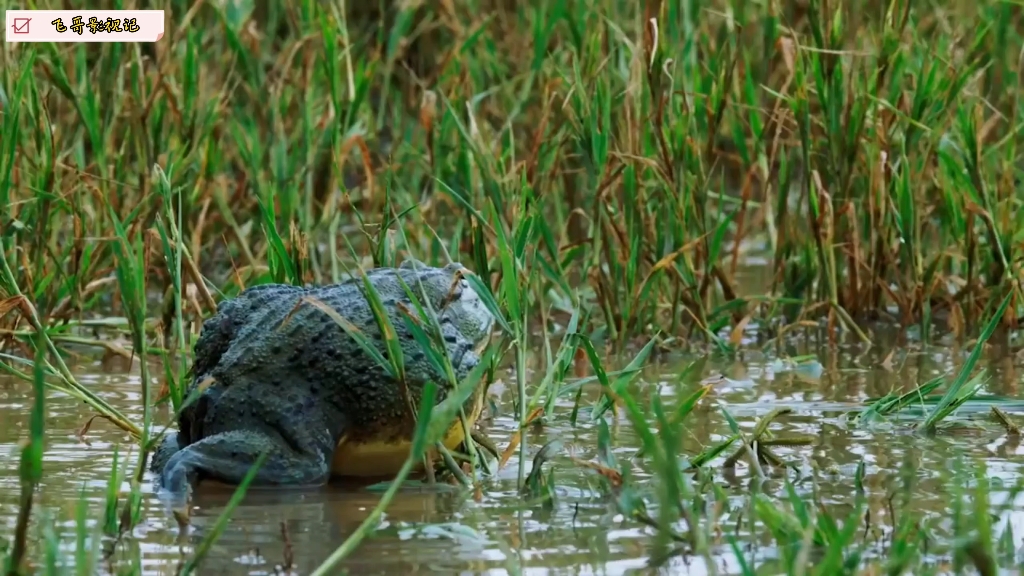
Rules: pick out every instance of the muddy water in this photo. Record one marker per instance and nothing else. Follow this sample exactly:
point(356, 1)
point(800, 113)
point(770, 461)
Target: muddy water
point(450, 532)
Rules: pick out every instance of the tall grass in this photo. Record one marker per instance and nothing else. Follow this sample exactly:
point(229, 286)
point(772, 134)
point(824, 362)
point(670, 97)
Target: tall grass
point(603, 166)
point(632, 151)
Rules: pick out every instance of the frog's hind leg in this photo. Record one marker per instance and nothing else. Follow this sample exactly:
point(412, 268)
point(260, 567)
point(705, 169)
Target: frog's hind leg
point(228, 456)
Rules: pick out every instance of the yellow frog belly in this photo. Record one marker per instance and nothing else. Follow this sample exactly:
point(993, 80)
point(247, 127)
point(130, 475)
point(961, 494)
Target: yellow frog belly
point(383, 458)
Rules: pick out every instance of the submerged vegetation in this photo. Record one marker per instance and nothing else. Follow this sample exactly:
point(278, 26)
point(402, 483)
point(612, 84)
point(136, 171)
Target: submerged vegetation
point(604, 167)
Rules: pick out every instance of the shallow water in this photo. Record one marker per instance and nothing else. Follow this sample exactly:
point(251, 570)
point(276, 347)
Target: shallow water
point(452, 533)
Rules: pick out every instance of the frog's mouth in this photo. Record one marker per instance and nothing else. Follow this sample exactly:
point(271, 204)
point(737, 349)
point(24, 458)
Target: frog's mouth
point(480, 346)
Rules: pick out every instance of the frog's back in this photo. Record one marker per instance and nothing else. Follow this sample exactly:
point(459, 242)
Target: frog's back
point(283, 326)
point(274, 327)
point(279, 327)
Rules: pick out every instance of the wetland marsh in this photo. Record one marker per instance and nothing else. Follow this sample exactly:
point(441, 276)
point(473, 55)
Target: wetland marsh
point(756, 270)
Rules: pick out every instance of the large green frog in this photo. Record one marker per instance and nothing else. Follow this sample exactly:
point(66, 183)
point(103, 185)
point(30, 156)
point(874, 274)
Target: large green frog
point(281, 376)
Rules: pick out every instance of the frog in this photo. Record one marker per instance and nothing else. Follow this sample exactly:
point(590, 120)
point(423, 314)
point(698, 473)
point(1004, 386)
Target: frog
point(274, 373)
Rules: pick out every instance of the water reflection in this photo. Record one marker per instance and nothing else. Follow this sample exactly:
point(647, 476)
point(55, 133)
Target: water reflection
point(451, 532)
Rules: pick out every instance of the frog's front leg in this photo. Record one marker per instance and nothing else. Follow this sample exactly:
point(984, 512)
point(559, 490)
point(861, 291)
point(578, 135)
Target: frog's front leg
point(168, 447)
point(228, 456)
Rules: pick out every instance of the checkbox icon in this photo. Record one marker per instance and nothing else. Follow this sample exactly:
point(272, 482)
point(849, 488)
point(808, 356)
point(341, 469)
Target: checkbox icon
point(20, 25)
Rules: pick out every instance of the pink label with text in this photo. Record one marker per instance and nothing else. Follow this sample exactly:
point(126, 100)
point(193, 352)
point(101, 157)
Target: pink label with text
point(84, 25)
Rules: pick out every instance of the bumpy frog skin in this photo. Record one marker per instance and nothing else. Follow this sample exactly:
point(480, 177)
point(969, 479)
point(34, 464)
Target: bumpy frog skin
point(286, 379)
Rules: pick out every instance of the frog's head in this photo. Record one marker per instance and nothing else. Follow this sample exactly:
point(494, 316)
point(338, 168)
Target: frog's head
point(455, 301)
